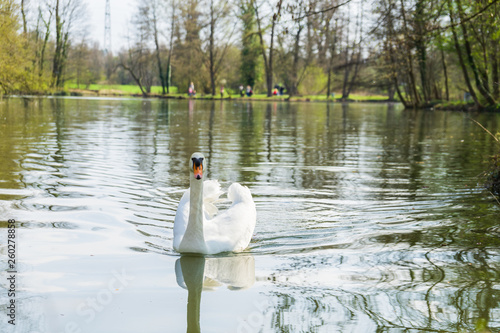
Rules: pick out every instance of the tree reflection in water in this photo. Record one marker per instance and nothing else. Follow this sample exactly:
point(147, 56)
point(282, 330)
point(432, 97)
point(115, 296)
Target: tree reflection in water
point(383, 290)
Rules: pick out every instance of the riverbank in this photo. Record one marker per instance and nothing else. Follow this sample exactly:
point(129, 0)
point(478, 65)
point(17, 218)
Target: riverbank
point(133, 91)
point(465, 106)
point(256, 97)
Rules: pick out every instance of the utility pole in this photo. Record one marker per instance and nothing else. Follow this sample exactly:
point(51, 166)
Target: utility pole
point(107, 29)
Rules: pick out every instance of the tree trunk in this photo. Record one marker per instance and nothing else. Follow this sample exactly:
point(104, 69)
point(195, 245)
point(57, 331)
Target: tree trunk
point(62, 60)
point(332, 46)
point(269, 73)
point(421, 49)
point(460, 58)
point(23, 14)
point(268, 61)
point(157, 46)
point(44, 45)
point(329, 82)
point(295, 64)
point(480, 84)
point(445, 72)
point(136, 79)
point(330, 67)
point(346, 74)
point(57, 53)
point(211, 48)
point(394, 74)
point(495, 74)
point(169, 67)
point(355, 75)
point(409, 60)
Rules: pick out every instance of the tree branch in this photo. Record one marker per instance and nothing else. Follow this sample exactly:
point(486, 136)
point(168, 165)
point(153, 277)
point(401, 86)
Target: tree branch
point(324, 10)
point(466, 19)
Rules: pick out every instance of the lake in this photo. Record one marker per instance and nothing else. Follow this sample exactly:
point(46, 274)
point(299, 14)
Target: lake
point(370, 218)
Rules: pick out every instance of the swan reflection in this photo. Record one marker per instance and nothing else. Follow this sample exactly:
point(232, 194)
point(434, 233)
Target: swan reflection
point(197, 273)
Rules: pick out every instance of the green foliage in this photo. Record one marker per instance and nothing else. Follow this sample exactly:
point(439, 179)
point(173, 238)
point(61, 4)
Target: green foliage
point(14, 75)
point(250, 51)
point(188, 63)
point(314, 82)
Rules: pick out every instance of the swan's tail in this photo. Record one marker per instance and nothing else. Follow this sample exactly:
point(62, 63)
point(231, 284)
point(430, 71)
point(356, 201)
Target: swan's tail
point(237, 193)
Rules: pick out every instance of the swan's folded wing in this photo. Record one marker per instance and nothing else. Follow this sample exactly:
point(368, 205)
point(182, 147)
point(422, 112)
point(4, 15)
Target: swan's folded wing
point(233, 228)
point(237, 193)
point(211, 193)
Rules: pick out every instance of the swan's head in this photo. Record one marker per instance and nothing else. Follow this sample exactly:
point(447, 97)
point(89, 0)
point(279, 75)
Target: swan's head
point(198, 162)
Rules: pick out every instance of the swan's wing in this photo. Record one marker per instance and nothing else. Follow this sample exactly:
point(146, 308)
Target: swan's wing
point(211, 193)
point(232, 229)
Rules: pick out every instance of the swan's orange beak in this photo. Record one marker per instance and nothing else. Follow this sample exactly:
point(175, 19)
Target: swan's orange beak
point(198, 171)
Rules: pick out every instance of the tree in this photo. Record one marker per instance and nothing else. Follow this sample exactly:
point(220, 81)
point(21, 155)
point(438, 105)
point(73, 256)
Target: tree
point(187, 48)
point(171, 42)
point(41, 39)
point(479, 68)
point(352, 54)
point(137, 59)
point(85, 63)
point(269, 57)
point(290, 56)
point(155, 12)
point(68, 14)
point(250, 48)
point(14, 60)
point(217, 13)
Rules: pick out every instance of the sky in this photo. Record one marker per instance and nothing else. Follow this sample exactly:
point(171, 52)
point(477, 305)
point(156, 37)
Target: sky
point(121, 11)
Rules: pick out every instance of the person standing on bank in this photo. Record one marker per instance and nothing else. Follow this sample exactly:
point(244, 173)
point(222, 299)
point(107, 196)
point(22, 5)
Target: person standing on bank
point(191, 91)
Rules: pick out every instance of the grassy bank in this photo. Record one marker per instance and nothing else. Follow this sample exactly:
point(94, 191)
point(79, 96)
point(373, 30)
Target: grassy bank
point(156, 91)
point(464, 106)
point(113, 89)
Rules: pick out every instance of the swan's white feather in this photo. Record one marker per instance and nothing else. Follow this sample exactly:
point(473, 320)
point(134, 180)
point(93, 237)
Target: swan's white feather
point(229, 230)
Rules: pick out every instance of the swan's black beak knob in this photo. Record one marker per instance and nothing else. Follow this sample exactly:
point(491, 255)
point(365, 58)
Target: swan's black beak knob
point(198, 167)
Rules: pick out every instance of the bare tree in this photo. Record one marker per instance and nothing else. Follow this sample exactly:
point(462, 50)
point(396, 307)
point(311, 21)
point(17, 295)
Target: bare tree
point(173, 8)
point(218, 12)
point(155, 12)
point(268, 58)
point(139, 59)
point(352, 54)
point(67, 14)
point(42, 34)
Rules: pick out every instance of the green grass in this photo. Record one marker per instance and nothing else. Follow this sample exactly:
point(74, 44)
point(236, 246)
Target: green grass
point(134, 90)
point(126, 89)
point(355, 97)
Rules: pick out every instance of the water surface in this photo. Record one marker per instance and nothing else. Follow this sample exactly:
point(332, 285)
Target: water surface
point(370, 217)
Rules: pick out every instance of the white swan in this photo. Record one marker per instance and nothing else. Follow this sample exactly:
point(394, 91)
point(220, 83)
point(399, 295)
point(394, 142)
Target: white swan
point(197, 226)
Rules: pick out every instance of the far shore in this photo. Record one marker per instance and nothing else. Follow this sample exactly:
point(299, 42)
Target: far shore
point(353, 98)
point(256, 97)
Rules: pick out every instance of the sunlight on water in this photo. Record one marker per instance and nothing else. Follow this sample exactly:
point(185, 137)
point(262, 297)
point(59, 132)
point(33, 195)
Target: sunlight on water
point(370, 218)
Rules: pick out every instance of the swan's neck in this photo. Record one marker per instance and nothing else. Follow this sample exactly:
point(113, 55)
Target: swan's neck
point(193, 240)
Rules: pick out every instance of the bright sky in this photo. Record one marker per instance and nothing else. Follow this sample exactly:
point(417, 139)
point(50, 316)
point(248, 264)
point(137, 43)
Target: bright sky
point(121, 11)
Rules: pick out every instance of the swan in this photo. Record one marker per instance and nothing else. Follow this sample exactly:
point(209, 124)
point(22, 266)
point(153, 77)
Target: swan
point(198, 228)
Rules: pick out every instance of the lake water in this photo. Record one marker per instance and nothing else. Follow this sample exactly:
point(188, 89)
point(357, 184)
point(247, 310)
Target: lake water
point(370, 218)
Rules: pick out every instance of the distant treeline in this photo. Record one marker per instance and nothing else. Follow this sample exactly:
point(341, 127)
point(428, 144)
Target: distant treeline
point(418, 51)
